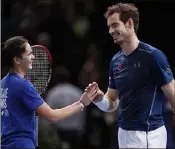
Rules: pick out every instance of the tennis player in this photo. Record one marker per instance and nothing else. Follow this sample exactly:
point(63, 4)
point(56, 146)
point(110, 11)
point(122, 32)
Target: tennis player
point(20, 100)
point(140, 80)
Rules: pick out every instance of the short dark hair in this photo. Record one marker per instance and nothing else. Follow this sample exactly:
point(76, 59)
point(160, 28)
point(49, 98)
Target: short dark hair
point(14, 46)
point(126, 11)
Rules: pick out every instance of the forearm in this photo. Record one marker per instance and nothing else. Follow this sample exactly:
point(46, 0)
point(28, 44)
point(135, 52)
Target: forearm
point(171, 97)
point(172, 102)
point(113, 105)
point(169, 91)
point(60, 114)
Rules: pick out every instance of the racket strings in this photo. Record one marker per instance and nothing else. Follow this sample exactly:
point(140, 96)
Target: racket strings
point(40, 69)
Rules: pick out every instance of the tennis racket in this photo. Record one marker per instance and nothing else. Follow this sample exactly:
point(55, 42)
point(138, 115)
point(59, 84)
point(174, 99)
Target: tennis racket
point(40, 74)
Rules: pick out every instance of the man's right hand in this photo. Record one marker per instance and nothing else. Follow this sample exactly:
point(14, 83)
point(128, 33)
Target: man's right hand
point(89, 95)
point(99, 94)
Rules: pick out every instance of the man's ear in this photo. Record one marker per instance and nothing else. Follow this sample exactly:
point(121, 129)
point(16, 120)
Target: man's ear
point(17, 60)
point(130, 23)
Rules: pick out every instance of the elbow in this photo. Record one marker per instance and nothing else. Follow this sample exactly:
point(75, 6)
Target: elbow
point(49, 114)
point(52, 117)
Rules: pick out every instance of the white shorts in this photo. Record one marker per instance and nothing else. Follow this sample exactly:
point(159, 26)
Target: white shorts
point(141, 139)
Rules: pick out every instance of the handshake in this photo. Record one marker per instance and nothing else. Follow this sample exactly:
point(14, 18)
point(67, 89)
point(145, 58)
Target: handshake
point(92, 93)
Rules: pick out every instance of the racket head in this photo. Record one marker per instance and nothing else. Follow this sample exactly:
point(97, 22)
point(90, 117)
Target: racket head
point(40, 74)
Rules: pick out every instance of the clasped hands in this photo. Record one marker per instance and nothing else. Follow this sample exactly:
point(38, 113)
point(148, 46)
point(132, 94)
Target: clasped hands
point(92, 93)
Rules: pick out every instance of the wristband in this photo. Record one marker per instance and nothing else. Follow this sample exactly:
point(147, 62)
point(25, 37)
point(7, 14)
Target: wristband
point(103, 104)
point(83, 105)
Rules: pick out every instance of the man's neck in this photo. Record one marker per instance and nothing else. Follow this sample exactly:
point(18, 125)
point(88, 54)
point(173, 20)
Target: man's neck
point(130, 45)
point(19, 72)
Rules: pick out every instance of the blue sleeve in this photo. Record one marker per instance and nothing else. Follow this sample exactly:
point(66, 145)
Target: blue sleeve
point(30, 97)
point(162, 73)
point(111, 80)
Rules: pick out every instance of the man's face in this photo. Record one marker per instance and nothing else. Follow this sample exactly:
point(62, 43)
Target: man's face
point(27, 57)
point(117, 29)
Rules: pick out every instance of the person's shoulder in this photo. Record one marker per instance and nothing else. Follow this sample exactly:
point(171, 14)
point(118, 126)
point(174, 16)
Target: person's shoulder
point(15, 83)
point(26, 83)
point(12, 79)
point(147, 48)
point(154, 52)
point(21, 83)
point(3, 79)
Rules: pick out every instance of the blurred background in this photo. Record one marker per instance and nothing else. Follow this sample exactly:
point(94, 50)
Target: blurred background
point(76, 34)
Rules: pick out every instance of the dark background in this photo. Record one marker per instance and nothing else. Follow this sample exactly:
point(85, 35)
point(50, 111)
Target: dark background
point(76, 34)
